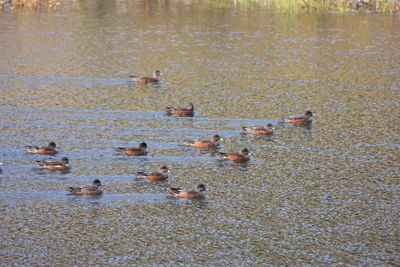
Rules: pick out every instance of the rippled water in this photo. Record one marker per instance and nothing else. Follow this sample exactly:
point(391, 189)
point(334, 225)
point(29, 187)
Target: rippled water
point(319, 195)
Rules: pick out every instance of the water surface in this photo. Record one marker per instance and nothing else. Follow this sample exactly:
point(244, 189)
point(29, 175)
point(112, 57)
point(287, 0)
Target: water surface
point(318, 195)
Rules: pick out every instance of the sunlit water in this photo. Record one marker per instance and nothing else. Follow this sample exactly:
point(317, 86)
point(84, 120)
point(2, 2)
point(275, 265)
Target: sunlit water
point(318, 195)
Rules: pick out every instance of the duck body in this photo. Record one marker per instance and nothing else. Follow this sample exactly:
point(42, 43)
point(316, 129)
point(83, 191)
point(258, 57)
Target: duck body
point(160, 175)
point(57, 165)
point(243, 156)
point(213, 142)
point(50, 149)
point(183, 112)
point(133, 151)
point(266, 130)
point(189, 194)
point(94, 189)
point(146, 80)
point(307, 118)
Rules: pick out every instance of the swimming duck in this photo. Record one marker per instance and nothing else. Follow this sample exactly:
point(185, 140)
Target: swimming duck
point(266, 130)
point(243, 156)
point(94, 189)
point(190, 194)
point(301, 119)
point(160, 175)
point(184, 112)
point(59, 165)
point(213, 142)
point(139, 79)
point(133, 151)
point(50, 149)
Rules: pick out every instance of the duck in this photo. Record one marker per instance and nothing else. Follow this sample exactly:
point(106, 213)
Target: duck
point(133, 151)
point(265, 130)
point(160, 175)
point(94, 189)
point(183, 112)
point(50, 149)
point(57, 165)
point(213, 142)
point(140, 79)
point(307, 118)
point(189, 194)
point(243, 156)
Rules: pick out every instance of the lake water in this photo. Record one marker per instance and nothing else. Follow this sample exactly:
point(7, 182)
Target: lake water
point(327, 194)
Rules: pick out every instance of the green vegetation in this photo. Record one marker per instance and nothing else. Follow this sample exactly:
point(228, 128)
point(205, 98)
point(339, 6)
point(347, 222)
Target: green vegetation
point(380, 6)
point(295, 6)
point(292, 6)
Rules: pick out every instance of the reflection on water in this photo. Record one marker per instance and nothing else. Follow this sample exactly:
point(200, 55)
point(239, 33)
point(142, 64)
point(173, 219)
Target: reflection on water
point(318, 194)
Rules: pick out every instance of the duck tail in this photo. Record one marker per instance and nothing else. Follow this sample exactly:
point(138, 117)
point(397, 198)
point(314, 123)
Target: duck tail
point(74, 190)
point(188, 143)
point(222, 155)
point(71, 189)
point(169, 109)
point(175, 190)
point(41, 163)
point(32, 148)
point(141, 175)
point(132, 78)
